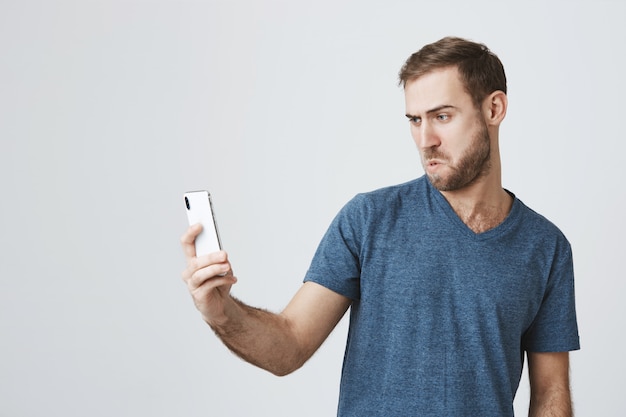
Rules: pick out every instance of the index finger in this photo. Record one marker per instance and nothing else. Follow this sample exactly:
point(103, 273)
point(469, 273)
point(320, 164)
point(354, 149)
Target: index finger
point(187, 240)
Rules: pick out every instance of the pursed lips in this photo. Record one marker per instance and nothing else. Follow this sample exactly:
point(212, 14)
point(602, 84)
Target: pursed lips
point(434, 162)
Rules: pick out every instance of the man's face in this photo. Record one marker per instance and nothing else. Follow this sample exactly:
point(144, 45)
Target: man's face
point(448, 129)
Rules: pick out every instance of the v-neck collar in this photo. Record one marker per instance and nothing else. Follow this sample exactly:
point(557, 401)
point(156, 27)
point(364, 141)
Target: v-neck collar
point(500, 229)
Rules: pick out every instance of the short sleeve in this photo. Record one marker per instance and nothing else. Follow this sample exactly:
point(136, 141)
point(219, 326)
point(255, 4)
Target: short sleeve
point(555, 328)
point(336, 264)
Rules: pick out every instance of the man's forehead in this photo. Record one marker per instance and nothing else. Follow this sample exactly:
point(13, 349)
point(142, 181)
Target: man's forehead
point(434, 89)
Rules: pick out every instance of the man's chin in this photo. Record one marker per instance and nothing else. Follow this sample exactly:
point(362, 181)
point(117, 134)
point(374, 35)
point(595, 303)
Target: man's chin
point(446, 183)
point(438, 182)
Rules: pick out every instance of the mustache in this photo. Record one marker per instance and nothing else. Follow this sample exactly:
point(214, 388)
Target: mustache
point(432, 153)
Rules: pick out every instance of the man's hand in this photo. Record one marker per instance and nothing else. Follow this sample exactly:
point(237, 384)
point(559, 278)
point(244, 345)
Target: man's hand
point(208, 278)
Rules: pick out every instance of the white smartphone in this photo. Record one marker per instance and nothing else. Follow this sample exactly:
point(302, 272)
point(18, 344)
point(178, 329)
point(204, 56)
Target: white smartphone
point(200, 210)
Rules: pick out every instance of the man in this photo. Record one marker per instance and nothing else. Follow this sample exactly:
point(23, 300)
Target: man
point(449, 278)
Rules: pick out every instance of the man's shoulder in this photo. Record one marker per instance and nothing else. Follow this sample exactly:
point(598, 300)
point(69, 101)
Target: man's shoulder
point(537, 225)
point(384, 206)
point(393, 194)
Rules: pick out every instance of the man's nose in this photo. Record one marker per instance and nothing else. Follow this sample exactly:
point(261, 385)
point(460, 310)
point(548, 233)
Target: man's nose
point(427, 136)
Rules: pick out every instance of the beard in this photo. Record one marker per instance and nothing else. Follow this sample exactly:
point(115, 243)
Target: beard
point(473, 164)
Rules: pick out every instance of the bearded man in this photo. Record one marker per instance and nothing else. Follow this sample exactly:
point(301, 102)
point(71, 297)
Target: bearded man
point(450, 279)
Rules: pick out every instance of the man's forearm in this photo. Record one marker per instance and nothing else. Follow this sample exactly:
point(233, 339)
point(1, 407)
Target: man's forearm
point(261, 338)
point(555, 403)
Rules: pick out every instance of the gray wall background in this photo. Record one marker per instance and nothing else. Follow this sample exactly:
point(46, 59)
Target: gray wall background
point(110, 110)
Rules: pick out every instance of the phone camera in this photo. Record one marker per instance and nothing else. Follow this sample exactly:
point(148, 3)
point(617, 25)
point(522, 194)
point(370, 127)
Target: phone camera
point(187, 203)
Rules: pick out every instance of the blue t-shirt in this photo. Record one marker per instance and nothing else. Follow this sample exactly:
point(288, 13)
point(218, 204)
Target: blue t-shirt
point(441, 315)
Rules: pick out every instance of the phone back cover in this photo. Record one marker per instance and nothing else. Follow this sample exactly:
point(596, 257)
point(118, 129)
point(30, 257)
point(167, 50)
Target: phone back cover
point(200, 211)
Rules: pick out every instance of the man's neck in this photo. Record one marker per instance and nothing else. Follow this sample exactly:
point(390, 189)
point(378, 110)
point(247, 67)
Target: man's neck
point(481, 206)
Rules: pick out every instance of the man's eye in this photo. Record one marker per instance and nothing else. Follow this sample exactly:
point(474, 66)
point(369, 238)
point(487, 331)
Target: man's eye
point(442, 117)
point(415, 120)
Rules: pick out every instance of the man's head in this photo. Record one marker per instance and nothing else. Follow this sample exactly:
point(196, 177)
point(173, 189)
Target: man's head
point(480, 70)
point(455, 94)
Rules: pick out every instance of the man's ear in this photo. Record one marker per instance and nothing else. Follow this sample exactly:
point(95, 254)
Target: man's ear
point(494, 108)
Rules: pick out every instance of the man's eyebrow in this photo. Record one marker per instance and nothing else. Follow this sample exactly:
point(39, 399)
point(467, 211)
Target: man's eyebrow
point(439, 108)
point(433, 110)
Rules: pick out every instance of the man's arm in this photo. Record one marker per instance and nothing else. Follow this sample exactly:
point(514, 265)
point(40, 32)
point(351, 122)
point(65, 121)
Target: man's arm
point(279, 343)
point(549, 384)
